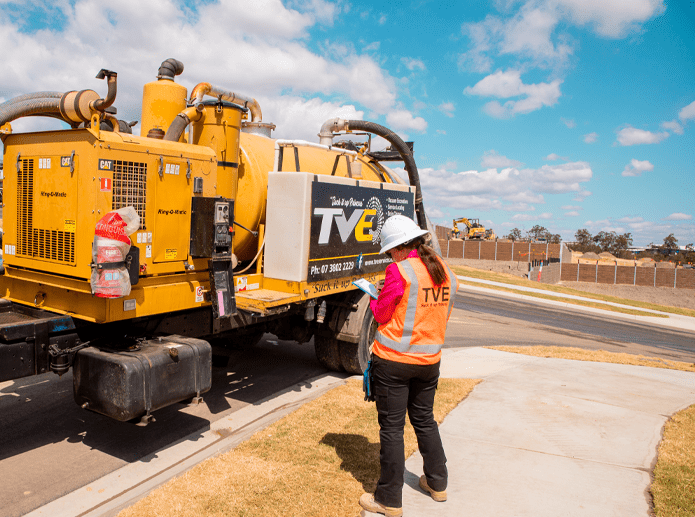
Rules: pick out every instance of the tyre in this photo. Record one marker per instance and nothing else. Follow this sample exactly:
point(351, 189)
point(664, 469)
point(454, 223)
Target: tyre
point(355, 356)
point(327, 352)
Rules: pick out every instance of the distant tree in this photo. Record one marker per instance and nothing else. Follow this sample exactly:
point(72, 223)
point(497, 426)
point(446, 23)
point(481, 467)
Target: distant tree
point(670, 242)
point(538, 232)
point(554, 238)
point(585, 242)
point(690, 247)
point(514, 235)
point(622, 243)
point(605, 240)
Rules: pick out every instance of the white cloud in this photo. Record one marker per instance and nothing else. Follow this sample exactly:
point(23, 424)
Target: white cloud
point(492, 160)
point(508, 84)
point(590, 138)
point(571, 207)
point(688, 112)
point(413, 64)
point(636, 167)
point(678, 216)
point(552, 157)
point(435, 212)
point(581, 195)
point(532, 217)
point(447, 108)
point(572, 213)
point(613, 19)
point(528, 29)
point(633, 136)
point(285, 111)
point(441, 132)
point(674, 126)
point(403, 119)
point(271, 58)
point(501, 189)
point(568, 122)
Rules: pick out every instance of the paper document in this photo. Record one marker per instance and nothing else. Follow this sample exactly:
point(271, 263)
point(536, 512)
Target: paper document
point(367, 287)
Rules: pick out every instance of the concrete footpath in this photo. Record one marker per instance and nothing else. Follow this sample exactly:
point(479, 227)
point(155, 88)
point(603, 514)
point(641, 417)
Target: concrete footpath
point(548, 437)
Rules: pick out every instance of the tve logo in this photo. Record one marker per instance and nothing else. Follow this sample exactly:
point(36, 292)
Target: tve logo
point(360, 222)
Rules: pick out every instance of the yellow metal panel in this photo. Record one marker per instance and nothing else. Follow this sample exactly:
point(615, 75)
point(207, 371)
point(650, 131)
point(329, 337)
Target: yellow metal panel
point(172, 218)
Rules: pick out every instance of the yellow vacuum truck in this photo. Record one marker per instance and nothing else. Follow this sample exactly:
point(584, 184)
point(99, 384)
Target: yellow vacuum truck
point(124, 255)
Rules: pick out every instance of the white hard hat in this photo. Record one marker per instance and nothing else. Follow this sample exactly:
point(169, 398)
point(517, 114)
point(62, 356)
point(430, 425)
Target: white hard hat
point(397, 230)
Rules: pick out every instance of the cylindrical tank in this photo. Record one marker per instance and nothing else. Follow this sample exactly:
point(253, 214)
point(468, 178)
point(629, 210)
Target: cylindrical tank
point(256, 159)
point(162, 100)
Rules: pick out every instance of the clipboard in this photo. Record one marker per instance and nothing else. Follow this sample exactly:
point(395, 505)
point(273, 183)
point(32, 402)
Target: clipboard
point(367, 287)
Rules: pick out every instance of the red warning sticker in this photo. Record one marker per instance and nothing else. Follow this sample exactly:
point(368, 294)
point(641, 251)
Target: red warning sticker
point(105, 184)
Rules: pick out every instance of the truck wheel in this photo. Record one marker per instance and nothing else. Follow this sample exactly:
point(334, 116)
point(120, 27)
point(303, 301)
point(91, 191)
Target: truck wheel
point(327, 352)
point(355, 356)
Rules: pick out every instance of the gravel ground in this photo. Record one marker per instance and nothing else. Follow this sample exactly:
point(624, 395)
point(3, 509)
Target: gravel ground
point(684, 298)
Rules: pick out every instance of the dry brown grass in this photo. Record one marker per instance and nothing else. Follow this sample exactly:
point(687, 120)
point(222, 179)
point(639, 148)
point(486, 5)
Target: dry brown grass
point(514, 280)
point(600, 356)
point(673, 488)
point(316, 461)
point(583, 303)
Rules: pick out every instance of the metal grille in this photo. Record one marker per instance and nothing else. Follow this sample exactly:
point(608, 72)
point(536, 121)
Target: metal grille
point(129, 187)
point(25, 196)
point(54, 245)
point(35, 242)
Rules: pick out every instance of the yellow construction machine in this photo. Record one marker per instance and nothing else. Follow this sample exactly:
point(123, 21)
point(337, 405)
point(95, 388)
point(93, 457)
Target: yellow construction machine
point(236, 234)
point(473, 230)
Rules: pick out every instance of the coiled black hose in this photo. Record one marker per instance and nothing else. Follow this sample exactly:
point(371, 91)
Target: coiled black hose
point(407, 156)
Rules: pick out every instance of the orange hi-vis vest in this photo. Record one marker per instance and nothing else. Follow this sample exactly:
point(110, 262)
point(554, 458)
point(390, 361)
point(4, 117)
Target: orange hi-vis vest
point(415, 333)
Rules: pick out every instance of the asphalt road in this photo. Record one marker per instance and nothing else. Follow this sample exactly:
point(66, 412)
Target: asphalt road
point(492, 319)
point(50, 447)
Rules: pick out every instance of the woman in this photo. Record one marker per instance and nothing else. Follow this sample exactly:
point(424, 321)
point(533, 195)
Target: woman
point(412, 311)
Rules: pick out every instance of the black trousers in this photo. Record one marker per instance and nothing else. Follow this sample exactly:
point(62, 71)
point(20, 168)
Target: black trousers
point(401, 388)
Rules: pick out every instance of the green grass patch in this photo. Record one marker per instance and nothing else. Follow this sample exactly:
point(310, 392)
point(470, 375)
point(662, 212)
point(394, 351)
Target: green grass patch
point(316, 461)
point(510, 279)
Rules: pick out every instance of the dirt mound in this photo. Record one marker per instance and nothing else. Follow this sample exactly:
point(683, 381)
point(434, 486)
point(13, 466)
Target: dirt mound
point(590, 256)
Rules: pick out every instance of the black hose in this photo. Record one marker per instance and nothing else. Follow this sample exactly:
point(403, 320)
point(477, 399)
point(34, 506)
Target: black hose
point(170, 68)
point(177, 127)
point(35, 95)
point(43, 106)
point(407, 156)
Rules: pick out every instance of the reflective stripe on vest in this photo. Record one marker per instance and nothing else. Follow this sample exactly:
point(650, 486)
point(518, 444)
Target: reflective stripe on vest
point(403, 345)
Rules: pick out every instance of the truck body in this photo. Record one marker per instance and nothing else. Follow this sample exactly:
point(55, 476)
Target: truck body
point(239, 234)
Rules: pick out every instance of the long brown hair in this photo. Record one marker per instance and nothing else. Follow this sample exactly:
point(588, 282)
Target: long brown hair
point(429, 258)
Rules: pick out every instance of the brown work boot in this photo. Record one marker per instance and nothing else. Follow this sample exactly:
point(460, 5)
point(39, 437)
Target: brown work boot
point(368, 503)
point(437, 496)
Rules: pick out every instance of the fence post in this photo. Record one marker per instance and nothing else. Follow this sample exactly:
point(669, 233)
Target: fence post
point(480, 245)
point(654, 274)
point(675, 273)
point(495, 250)
point(615, 274)
point(634, 278)
point(577, 271)
point(447, 248)
point(463, 252)
point(529, 251)
point(596, 275)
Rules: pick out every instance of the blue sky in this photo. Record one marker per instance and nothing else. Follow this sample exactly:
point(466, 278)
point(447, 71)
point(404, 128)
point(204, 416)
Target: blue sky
point(565, 113)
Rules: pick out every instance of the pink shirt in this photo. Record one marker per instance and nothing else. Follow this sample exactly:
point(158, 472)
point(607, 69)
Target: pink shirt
point(392, 292)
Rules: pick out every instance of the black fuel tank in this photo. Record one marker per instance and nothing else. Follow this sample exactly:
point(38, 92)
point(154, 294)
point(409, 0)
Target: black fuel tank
point(129, 384)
